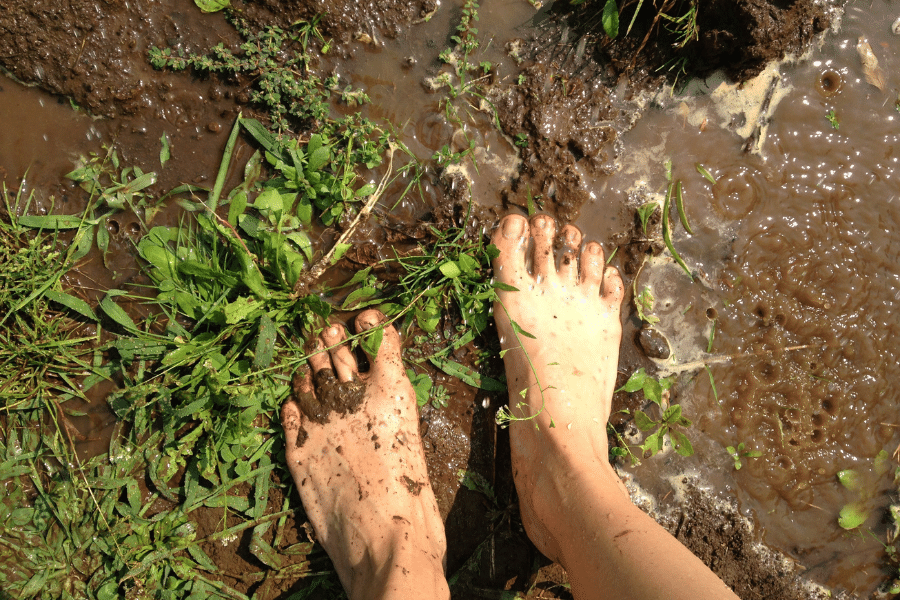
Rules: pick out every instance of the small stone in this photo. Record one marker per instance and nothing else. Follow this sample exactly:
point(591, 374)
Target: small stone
point(896, 27)
point(653, 343)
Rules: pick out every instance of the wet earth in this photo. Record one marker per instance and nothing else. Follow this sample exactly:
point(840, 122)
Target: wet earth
point(782, 339)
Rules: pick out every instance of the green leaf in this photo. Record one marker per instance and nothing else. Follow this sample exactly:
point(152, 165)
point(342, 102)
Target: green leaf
point(210, 6)
point(76, 304)
point(269, 200)
point(319, 158)
point(450, 269)
point(265, 343)
point(303, 243)
point(611, 18)
point(237, 208)
point(850, 479)
point(645, 212)
point(682, 443)
point(366, 190)
point(643, 422)
point(652, 390)
point(240, 309)
point(467, 375)
point(521, 331)
point(635, 382)
point(702, 170)
point(421, 383)
point(55, 222)
point(359, 295)
point(165, 152)
point(853, 515)
point(115, 312)
point(339, 251)
point(371, 341)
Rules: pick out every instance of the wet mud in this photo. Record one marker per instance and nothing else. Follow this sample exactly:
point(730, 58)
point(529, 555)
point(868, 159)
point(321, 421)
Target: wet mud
point(584, 137)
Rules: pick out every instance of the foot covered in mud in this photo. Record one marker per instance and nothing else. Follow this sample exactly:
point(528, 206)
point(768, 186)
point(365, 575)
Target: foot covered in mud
point(561, 380)
point(360, 470)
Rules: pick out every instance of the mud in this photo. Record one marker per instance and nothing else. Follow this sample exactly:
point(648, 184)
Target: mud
point(579, 112)
point(330, 396)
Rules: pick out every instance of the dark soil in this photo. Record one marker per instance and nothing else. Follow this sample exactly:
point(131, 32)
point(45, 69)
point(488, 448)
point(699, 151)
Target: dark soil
point(94, 52)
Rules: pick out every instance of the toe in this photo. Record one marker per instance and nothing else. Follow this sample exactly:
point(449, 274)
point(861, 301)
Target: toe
point(592, 265)
point(542, 230)
point(319, 359)
point(510, 238)
point(387, 362)
point(568, 260)
point(613, 290)
point(344, 362)
point(292, 422)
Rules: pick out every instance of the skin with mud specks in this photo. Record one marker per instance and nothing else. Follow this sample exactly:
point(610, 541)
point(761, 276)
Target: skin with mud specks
point(353, 497)
point(374, 511)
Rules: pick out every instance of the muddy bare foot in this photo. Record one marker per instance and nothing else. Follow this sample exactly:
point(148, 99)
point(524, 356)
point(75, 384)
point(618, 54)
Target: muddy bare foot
point(360, 471)
point(569, 301)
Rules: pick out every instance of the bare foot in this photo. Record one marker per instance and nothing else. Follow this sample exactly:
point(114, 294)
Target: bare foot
point(570, 303)
point(358, 464)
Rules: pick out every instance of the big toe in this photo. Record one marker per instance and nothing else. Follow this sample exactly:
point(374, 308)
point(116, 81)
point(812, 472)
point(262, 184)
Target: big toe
point(510, 237)
point(386, 362)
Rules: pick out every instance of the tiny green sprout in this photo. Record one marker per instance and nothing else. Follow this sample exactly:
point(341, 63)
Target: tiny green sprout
point(522, 79)
point(522, 140)
point(741, 452)
point(644, 212)
point(832, 118)
point(643, 304)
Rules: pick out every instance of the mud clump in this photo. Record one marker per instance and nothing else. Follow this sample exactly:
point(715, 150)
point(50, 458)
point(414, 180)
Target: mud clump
point(331, 396)
point(567, 125)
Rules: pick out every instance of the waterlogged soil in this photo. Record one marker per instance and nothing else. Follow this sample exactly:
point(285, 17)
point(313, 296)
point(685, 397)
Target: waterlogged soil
point(793, 251)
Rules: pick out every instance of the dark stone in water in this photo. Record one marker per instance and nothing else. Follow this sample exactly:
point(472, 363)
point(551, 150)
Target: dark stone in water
point(653, 343)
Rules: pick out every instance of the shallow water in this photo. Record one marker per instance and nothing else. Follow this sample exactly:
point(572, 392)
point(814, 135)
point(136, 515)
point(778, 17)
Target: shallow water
point(796, 248)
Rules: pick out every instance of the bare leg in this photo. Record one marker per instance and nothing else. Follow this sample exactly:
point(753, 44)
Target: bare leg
point(362, 478)
point(574, 507)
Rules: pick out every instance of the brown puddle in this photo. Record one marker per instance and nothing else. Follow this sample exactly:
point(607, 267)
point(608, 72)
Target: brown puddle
point(796, 247)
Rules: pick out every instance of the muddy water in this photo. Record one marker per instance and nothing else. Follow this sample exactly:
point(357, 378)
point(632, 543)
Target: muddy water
point(797, 247)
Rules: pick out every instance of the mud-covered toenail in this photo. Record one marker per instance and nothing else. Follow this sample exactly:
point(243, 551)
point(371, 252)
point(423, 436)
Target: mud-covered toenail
point(542, 222)
point(594, 249)
point(513, 228)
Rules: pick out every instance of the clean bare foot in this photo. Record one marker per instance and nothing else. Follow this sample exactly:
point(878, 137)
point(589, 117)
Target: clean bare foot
point(569, 301)
point(354, 451)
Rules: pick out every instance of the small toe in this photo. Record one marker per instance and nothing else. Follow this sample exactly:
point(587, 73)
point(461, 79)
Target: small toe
point(568, 258)
point(592, 265)
point(510, 237)
point(292, 422)
point(344, 362)
point(613, 290)
point(543, 230)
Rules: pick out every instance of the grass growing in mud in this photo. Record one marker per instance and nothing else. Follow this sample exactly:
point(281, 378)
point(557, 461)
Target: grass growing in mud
point(194, 461)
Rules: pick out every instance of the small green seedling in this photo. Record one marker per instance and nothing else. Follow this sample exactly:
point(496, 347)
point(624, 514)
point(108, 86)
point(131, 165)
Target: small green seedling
point(741, 452)
point(643, 304)
point(644, 212)
point(671, 418)
point(652, 387)
point(833, 119)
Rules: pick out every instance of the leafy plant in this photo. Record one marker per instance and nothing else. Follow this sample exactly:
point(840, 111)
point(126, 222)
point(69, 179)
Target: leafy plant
point(833, 119)
point(741, 452)
point(278, 62)
point(667, 425)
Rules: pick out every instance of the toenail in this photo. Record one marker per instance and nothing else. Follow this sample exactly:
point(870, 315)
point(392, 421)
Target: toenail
point(542, 222)
point(594, 249)
point(513, 228)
